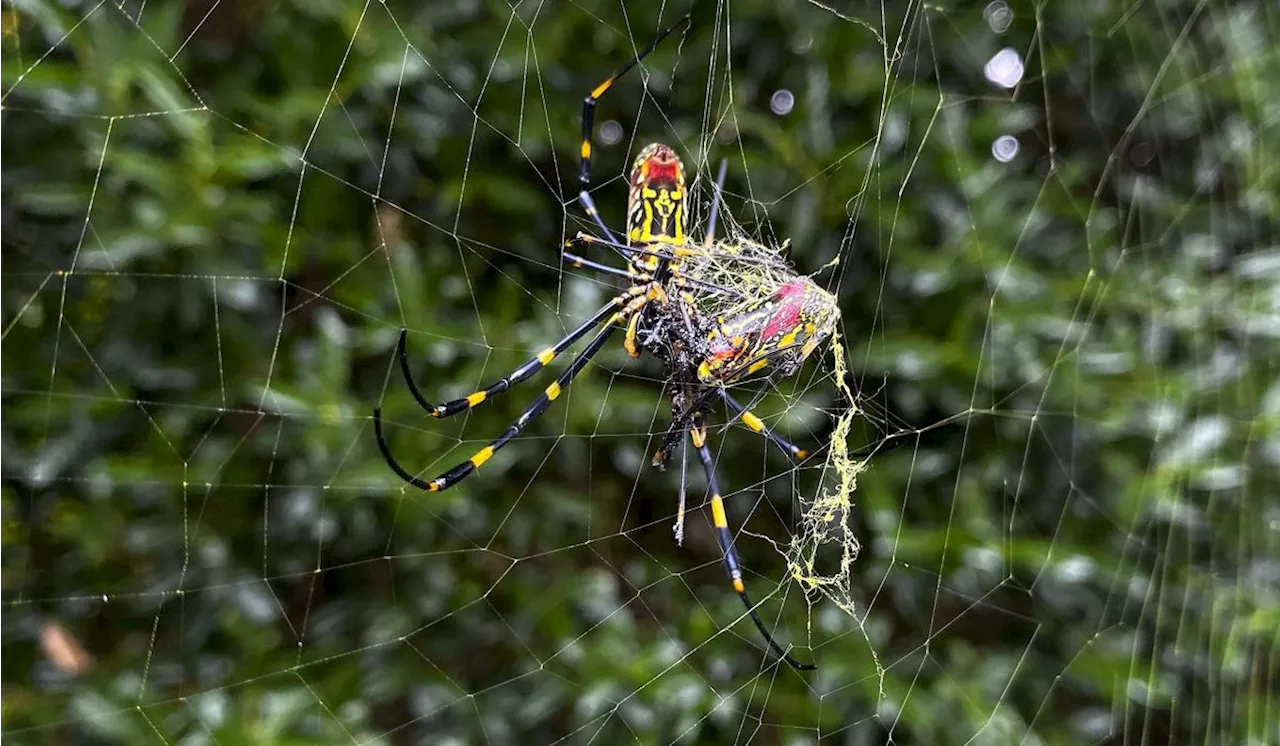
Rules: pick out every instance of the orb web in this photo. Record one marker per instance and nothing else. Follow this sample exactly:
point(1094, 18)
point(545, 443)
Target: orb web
point(1044, 435)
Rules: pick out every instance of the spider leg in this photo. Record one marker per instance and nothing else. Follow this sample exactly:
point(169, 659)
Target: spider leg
point(669, 440)
point(652, 291)
point(589, 206)
point(531, 413)
point(678, 530)
point(683, 284)
point(537, 363)
point(589, 104)
point(751, 420)
point(664, 251)
point(671, 252)
point(578, 261)
point(698, 434)
point(710, 238)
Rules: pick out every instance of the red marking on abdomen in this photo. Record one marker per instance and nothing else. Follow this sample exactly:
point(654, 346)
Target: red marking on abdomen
point(661, 172)
point(790, 299)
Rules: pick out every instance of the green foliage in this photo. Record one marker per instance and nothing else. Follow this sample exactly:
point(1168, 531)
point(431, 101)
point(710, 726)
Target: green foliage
point(218, 216)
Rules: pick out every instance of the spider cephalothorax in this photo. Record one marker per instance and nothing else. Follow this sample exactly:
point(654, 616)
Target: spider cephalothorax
point(713, 312)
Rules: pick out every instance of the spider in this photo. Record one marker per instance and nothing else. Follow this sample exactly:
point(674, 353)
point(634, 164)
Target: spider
point(715, 314)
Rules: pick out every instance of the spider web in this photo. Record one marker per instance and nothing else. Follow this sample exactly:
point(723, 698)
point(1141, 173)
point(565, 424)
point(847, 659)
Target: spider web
point(1044, 442)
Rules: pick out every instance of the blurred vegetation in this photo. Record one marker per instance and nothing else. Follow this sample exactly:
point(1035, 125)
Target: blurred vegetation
point(218, 215)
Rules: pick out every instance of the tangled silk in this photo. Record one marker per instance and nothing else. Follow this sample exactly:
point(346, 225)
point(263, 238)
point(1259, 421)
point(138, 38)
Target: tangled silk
point(824, 547)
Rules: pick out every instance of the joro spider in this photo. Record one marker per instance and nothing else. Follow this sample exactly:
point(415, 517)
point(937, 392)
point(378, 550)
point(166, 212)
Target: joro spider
point(683, 305)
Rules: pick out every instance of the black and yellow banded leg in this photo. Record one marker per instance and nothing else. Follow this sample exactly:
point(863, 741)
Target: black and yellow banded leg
point(661, 251)
point(751, 420)
point(698, 434)
point(532, 366)
point(589, 206)
point(583, 262)
point(534, 410)
point(589, 103)
point(633, 330)
point(653, 292)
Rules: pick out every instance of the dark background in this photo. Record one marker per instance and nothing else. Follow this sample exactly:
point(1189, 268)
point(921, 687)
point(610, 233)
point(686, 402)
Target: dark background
point(217, 217)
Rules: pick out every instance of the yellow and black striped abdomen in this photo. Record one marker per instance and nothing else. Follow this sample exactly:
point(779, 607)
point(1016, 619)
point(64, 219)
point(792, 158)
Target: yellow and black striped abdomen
point(656, 205)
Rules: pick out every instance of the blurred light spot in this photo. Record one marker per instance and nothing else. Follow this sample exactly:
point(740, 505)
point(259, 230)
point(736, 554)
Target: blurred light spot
point(1263, 264)
point(1075, 569)
point(998, 16)
point(1208, 177)
point(1005, 68)
point(1005, 148)
point(984, 558)
point(1107, 363)
point(1197, 441)
point(910, 365)
point(610, 133)
point(1221, 477)
point(888, 710)
point(801, 43)
point(782, 102)
point(63, 649)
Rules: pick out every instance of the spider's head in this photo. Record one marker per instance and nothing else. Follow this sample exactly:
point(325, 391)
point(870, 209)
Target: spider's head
point(655, 208)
